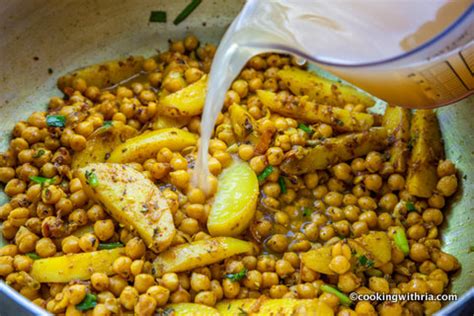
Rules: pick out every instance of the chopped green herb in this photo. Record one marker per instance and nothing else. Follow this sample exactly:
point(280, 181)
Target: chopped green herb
point(366, 262)
point(157, 16)
point(307, 211)
point(186, 11)
point(344, 299)
point(89, 302)
point(33, 255)
point(401, 241)
point(281, 182)
point(111, 245)
point(235, 277)
point(92, 178)
point(410, 206)
point(339, 122)
point(42, 180)
point(56, 120)
point(39, 153)
point(107, 124)
point(305, 128)
point(265, 173)
point(242, 312)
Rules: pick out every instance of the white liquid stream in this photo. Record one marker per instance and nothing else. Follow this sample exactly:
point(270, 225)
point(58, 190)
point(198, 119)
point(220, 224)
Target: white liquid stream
point(343, 32)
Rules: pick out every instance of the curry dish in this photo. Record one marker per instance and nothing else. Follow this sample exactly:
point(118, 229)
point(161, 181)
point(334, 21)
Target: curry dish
point(311, 196)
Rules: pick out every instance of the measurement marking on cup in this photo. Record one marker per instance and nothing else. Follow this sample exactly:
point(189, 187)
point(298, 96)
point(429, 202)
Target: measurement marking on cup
point(468, 60)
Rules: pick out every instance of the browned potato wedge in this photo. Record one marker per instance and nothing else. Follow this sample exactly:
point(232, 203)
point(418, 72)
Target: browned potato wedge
point(318, 260)
point(375, 246)
point(161, 122)
point(70, 267)
point(101, 143)
point(281, 306)
point(243, 123)
point(147, 145)
point(308, 111)
point(334, 150)
point(322, 90)
point(188, 101)
point(199, 253)
point(132, 199)
point(104, 75)
point(425, 155)
point(397, 122)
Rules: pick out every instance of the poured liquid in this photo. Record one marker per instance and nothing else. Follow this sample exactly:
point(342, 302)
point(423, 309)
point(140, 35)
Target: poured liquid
point(413, 53)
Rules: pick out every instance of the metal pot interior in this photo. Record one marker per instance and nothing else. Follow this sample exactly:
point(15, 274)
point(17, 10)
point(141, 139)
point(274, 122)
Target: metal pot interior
point(43, 39)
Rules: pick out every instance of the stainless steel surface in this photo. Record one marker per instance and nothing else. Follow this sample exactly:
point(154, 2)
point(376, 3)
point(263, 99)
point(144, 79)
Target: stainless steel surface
point(61, 35)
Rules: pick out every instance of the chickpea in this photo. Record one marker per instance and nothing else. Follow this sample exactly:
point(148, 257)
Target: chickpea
point(191, 42)
point(379, 285)
point(419, 252)
point(180, 296)
point(447, 262)
point(374, 161)
point(22, 263)
point(78, 198)
point(180, 178)
point(100, 281)
point(330, 299)
point(416, 232)
point(143, 282)
point(31, 134)
point(283, 268)
point(436, 201)
point(189, 226)
point(6, 265)
point(206, 298)
point(446, 168)
point(365, 308)
point(45, 248)
point(246, 152)
point(360, 228)
point(253, 280)
point(85, 128)
point(104, 229)
point(6, 174)
point(135, 248)
point(274, 156)
point(327, 232)
point(170, 281)
point(343, 171)
point(257, 163)
point(77, 142)
point(121, 266)
point(433, 215)
point(128, 297)
point(241, 87)
point(200, 282)
point(14, 187)
point(146, 305)
point(278, 243)
point(231, 289)
point(70, 244)
point(77, 292)
point(373, 182)
point(174, 82)
point(88, 242)
point(447, 185)
point(305, 290)
point(340, 264)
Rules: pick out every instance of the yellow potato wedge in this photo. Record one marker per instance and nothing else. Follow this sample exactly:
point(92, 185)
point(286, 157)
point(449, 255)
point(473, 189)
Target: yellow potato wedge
point(235, 201)
point(334, 150)
point(104, 75)
point(101, 143)
point(147, 145)
point(242, 122)
point(188, 101)
point(191, 309)
point(81, 266)
point(308, 111)
point(397, 122)
point(375, 246)
point(426, 152)
point(199, 253)
point(132, 199)
point(322, 90)
point(161, 122)
point(318, 260)
point(281, 306)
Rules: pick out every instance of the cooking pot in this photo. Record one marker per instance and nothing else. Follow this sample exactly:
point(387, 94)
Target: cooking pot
point(43, 39)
